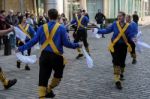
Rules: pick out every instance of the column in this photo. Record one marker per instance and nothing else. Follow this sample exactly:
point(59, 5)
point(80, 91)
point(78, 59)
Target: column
point(57, 4)
point(35, 7)
point(66, 8)
point(83, 4)
point(106, 7)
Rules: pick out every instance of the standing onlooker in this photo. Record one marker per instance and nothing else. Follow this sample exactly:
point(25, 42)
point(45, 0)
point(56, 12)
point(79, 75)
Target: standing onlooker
point(85, 14)
point(12, 19)
point(29, 19)
point(19, 14)
point(35, 25)
point(135, 17)
point(2, 15)
point(46, 17)
point(41, 21)
point(100, 17)
point(10, 41)
point(63, 16)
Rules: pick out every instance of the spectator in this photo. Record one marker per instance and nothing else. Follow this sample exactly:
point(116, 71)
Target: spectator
point(135, 17)
point(19, 14)
point(45, 17)
point(3, 13)
point(35, 25)
point(64, 18)
point(85, 14)
point(100, 17)
point(41, 21)
point(29, 19)
point(2, 19)
point(12, 20)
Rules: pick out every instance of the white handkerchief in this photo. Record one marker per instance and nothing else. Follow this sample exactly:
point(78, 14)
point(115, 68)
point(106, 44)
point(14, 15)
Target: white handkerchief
point(143, 44)
point(89, 60)
point(140, 44)
point(95, 33)
point(37, 47)
point(26, 59)
point(20, 34)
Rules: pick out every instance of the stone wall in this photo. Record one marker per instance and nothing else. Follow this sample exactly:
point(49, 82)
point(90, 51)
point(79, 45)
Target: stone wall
point(17, 5)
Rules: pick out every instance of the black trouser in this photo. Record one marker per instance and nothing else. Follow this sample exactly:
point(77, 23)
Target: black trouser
point(48, 62)
point(7, 46)
point(119, 55)
point(101, 27)
point(81, 35)
point(0, 69)
point(133, 53)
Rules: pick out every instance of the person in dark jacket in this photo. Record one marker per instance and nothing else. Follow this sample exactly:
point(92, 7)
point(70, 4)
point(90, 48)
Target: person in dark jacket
point(6, 83)
point(100, 17)
point(135, 17)
point(12, 20)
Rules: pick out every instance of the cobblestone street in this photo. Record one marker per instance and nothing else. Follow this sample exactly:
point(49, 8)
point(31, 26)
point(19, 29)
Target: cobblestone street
point(80, 82)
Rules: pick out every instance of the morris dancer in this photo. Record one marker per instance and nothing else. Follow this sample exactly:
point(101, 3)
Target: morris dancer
point(119, 45)
point(30, 33)
point(135, 31)
point(81, 31)
point(52, 37)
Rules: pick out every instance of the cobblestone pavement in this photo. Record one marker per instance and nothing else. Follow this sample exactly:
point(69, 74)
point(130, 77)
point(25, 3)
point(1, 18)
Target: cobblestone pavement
point(80, 82)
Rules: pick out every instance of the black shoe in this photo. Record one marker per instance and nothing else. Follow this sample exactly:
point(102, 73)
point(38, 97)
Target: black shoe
point(27, 67)
point(79, 56)
point(122, 77)
point(50, 95)
point(118, 85)
point(134, 61)
point(10, 83)
point(18, 64)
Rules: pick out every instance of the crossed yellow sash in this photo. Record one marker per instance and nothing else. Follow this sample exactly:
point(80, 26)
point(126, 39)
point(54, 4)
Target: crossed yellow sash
point(121, 34)
point(79, 23)
point(49, 39)
point(25, 30)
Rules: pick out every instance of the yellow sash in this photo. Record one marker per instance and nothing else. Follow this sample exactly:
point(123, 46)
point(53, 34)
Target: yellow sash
point(79, 23)
point(121, 34)
point(49, 39)
point(25, 30)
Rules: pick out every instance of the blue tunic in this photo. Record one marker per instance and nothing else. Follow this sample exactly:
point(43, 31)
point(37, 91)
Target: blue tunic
point(113, 28)
point(84, 22)
point(60, 39)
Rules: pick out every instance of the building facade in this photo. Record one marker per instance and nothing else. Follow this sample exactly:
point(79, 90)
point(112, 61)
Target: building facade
point(112, 7)
point(109, 7)
point(18, 5)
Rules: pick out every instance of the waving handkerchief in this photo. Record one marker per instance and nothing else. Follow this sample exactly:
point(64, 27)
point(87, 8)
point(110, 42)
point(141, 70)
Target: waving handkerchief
point(140, 44)
point(20, 34)
point(26, 59)
point(89, 60)
point(95, 30)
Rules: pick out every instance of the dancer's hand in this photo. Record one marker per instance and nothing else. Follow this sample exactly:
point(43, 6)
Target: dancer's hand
point(80, 45)
point(134, 40)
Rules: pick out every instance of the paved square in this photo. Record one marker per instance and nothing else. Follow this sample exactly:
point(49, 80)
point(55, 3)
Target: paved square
point(80, 82)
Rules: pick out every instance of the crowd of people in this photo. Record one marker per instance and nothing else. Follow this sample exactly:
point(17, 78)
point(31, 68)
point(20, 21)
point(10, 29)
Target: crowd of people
point(51, 33)
point(15, 19)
